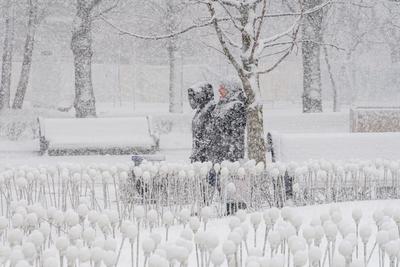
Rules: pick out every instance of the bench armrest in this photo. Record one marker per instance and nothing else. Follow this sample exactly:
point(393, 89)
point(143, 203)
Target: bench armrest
point(43, 143)
point(155, 136)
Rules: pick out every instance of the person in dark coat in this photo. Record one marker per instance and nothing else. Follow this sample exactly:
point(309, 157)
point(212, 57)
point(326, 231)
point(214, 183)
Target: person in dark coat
point(229, 121)
point(201, 99)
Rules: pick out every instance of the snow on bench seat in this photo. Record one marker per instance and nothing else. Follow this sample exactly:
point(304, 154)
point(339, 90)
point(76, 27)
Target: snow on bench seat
point(335, 146)
point(375, 119)
point(97, 136)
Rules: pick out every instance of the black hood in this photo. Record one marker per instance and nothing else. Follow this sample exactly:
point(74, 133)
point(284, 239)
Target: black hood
point(200, 95)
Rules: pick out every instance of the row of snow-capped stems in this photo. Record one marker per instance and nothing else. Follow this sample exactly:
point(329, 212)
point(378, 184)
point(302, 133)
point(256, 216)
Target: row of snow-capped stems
point(37, 236)
point(323, 181)
point(164, 185)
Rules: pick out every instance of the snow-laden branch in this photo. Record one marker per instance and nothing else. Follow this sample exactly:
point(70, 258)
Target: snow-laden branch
point(237, 3)
point(265, 42)
point(291, 31)
point(156, 37)
point(306, 12)
point(234, 3)
point(222, 41)
point(233, 19)
point(285, 55)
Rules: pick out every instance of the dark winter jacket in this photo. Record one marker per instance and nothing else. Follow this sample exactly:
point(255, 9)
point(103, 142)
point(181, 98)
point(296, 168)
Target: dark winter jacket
point(229, 121)
point(201, 99)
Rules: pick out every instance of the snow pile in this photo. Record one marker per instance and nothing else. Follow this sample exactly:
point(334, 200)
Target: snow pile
point(336, 146)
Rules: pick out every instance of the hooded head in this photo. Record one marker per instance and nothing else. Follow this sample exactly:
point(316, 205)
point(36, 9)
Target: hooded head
point(231, 90)
point(200, 95)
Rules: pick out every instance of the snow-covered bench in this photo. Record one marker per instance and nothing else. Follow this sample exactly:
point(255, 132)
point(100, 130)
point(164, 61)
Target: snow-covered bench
point(333, 146)
point(97, 136)
point(375, 119)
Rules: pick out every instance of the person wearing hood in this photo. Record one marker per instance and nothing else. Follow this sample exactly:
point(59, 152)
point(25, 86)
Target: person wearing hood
point(201, 99)
point(228, 141)
point(230, 120)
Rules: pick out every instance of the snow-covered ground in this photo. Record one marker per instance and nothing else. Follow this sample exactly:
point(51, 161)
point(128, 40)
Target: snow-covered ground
point(341, 235)
point(332, 222)
point(309, 215)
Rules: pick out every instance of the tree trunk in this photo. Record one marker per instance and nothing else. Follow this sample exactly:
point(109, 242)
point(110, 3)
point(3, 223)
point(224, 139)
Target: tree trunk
point(27, 61)
point(394, 53)
point(7, 58)
point(336, 104)
point(81, 45)
point(175, 100)
point(255, 133)
point(311, 40)
point(256, 148)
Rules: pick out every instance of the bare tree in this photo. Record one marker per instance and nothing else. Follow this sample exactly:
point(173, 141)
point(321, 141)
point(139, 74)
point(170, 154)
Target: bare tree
point(173, 10)
point(311, 51)
point(165, 17)
point(81, 45)
point(391, 29)
point(33, 20)
point(248, 18)
point(353, 26)
point(240, 29)
point(7, 56)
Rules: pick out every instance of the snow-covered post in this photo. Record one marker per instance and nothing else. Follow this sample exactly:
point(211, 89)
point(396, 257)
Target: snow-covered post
point(392, 249)
point(184, 216)
point(382, 238)
point(139, 214)
point(152, 217)
point(194, 224)
point(206, 213)
point(346, 250)
point(229, 249)
point(357, 215)
point(274, 239)
point(365, 233)
point(268, 226)
point(330, 232)
point(168, 220)
point(255, 220)
point(148, 246)
point(314, 256)
point(62, 244)
point(217, 257)
point(300, 258)
point(309, 235)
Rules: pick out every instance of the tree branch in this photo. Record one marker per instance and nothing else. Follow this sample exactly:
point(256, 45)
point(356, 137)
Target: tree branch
point(220, 36)
point(258, 32)
point(281, 59)
point(155, 37)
